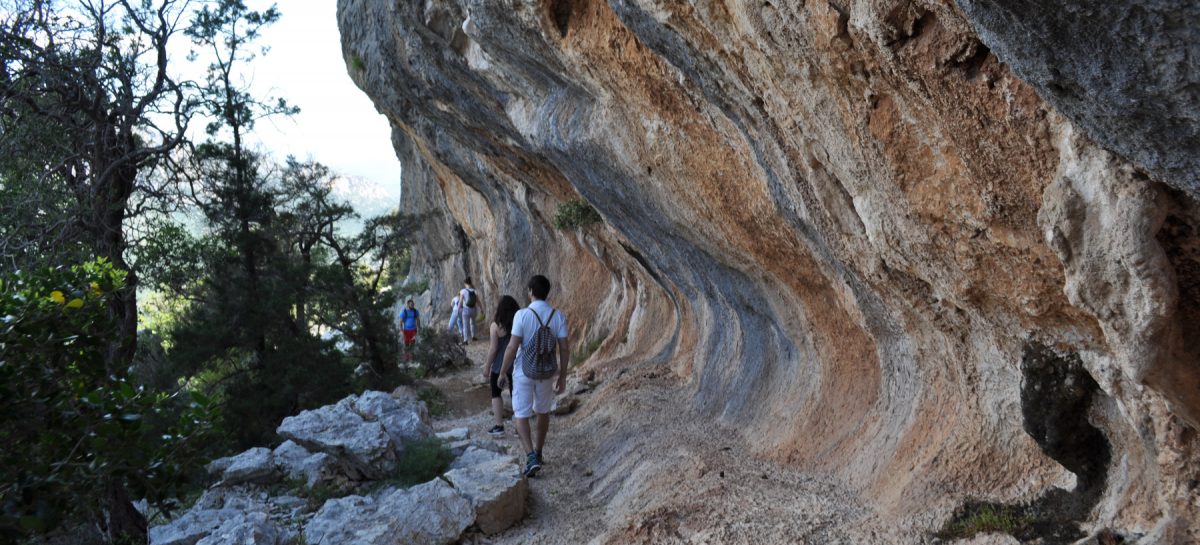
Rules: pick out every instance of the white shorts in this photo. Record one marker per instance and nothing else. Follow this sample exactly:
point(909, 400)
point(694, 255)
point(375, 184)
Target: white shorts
point(531, 396)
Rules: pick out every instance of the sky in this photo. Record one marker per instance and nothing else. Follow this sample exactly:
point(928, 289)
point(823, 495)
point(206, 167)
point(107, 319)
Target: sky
point(337, 124)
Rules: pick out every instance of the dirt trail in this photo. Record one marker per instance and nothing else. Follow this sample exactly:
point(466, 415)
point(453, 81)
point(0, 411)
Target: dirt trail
point(629, 467)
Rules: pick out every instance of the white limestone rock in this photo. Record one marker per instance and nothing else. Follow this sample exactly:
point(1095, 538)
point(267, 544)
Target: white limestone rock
point(429, 514)
point(454, 435)
point(337, 430)
point(256, 465)
point(403, 415)
point(497, 492)
point(475, 455)
point(192, 526)
point(317, 469)
point(246, 529)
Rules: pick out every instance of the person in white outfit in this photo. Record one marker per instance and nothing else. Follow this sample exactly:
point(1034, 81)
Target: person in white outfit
point(537, 324)
point(454, 316)
point(468, 303)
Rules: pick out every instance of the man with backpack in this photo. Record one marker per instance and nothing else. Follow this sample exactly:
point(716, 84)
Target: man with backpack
point(467, 302)
point(537, 357)
point(410, 322)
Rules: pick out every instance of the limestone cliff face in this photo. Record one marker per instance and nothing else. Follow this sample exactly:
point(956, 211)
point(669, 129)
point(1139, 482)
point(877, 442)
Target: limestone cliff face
point(898, 243)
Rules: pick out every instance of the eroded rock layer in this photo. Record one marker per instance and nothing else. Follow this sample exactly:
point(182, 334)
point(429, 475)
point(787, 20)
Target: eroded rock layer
point(848, 227)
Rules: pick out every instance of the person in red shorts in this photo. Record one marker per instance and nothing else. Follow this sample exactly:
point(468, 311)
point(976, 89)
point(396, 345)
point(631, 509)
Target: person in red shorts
point(410, 322)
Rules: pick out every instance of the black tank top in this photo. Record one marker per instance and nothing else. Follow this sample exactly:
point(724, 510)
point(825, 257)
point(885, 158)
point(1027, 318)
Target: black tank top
point(501, 346)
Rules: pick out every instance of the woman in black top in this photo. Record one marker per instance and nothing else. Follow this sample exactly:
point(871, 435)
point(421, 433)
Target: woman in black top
point(501, 332)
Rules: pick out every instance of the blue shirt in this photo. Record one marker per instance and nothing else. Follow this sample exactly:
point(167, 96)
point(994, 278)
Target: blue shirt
point(410, 315)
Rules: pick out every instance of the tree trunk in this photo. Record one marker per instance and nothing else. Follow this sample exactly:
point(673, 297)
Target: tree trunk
point(121, 522)
point(109, 206)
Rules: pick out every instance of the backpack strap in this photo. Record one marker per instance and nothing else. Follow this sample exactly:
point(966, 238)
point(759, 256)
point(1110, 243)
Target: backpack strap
point(539, 318)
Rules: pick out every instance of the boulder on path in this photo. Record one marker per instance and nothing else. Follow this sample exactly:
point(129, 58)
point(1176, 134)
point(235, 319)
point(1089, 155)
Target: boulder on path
point(256, 465)
point(475, 455)
point(339, 431)
point(432, 513)
point(496, 489)
point(455, 435)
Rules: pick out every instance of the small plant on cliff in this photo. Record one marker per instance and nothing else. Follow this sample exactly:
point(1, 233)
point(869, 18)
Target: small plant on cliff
point(986, 518)
point(586, 352)
point(574, 214)
point(415, 288)
point(357, 62)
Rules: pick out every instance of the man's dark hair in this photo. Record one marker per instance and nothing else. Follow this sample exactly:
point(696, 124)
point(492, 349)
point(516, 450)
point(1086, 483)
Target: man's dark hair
point(410, 300)
point(540, 286)
point(467, 281)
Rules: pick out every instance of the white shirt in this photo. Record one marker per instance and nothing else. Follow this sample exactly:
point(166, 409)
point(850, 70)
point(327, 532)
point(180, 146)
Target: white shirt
point(525, 324)
point(464, 295)
point(454, 303)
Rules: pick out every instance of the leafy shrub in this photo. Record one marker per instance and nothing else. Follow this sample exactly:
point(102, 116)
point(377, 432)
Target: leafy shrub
point(575, 213)
point(435, 351)
point(78, 436)
point(434, 400)
point(423, 460)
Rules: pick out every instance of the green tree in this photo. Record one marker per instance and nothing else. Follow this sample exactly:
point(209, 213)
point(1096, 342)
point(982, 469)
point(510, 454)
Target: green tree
point(351, 273)
point(79, 439)
point(87, 106)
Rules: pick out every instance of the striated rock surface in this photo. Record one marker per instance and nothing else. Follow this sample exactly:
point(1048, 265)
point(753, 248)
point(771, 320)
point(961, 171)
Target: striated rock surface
point(873, 235)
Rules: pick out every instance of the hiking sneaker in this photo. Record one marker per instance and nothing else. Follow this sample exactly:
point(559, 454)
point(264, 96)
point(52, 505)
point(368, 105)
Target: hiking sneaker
point(496, 431)
point(532, 465)
point(540, 460)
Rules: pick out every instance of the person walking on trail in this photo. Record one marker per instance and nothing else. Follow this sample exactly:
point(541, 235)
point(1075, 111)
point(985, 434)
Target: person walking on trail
point(501, 333)
point(468, 301)
point(455, 316)
point(539, 334)
point(410, 322)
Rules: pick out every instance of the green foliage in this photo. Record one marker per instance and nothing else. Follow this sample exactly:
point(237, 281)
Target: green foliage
point(436, 350)
point(357, 63)
point(985, 518)
point(72, 430)
point(415, 288)
point(423, 461)
point(575, 214)
point(435, 401)
point(585, 352)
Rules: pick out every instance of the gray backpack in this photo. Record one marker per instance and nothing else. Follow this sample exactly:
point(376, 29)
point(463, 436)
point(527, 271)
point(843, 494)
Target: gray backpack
point(538, 356)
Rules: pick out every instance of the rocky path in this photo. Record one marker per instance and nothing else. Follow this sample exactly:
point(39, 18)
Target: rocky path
point(627, 468)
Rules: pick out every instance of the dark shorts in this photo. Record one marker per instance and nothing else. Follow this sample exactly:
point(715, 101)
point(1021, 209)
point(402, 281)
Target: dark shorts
point(496, 387)
point(410, 336)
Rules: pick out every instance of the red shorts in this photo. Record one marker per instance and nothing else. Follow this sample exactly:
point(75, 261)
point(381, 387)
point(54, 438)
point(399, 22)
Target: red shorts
point(410, 336)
